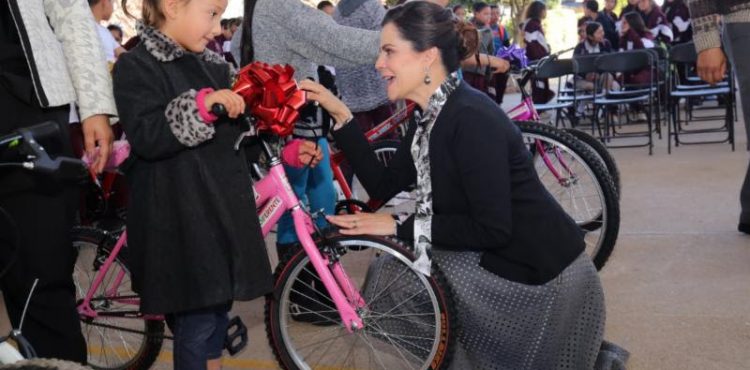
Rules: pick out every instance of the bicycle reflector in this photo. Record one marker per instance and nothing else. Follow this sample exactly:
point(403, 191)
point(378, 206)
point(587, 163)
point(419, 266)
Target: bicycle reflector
point(272, 95)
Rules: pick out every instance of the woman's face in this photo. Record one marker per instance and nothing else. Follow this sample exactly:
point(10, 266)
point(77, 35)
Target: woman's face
point(399, 64)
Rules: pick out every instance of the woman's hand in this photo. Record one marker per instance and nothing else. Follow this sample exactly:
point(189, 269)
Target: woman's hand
point(98, 134)
point(365, 224)
point(335, 107)
point(234, 103)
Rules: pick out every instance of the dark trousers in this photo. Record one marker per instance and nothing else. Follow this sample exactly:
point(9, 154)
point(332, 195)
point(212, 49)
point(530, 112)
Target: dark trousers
point(199, 336)
point(737, 37)
point(44, 212)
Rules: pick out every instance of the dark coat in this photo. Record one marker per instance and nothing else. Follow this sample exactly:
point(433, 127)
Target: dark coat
point(194, 239)
point(486, 194)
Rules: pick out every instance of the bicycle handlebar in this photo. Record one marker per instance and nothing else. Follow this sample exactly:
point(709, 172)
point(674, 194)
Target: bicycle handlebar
point(33, 155)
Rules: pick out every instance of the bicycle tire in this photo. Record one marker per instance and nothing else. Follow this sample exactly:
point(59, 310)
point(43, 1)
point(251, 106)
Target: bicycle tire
point(598, 147)
point(278, 306)
point(610, 220)
point(149, 337)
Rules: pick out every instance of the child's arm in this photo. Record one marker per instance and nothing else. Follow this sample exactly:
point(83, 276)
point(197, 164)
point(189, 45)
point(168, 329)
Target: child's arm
point(158, 126)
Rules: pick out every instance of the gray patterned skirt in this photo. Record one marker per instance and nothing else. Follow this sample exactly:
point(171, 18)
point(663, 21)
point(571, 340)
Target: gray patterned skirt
point(508, 325)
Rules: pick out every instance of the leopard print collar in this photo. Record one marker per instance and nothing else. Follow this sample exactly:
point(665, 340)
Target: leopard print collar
point(164, 49)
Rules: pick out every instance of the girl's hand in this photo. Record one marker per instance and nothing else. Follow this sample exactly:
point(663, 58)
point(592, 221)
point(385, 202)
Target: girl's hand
point(307, 150)
point(317, 92)
point(365, 224)
point(234, 103)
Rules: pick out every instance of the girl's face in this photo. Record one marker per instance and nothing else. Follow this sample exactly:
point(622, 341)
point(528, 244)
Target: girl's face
point(400, 65)
point(193, 23)
point(633, 2)
point(610, 4)
point(625, 27)
point(598, 36)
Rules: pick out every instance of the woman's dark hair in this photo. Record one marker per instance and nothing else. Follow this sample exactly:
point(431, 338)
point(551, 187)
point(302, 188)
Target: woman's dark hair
point(426, 25)
point(247, 52)
point(535, 10)
point(635, 21)
point(479, 6)
point(591, 28)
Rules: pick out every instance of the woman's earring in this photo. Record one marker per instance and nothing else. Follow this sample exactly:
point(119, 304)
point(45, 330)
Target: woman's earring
point(427, 79)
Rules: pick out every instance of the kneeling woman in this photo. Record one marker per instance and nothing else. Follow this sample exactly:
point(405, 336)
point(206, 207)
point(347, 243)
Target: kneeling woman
point(527, 295)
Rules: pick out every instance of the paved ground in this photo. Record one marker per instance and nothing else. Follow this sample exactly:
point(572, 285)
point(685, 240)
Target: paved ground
point(678, 283)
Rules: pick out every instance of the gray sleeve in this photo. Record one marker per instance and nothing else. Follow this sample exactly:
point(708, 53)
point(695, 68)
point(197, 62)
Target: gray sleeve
point(74, 26)
point(185, 121)
point(316, 36)
point(706, 24)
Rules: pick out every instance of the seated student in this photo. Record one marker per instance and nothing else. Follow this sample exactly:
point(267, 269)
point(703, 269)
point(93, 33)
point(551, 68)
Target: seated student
point(632, 6)
point(636, 36)
point(656, 21)
point(594, 43)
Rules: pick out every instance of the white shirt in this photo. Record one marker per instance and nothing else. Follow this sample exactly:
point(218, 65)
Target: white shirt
point(109, 44)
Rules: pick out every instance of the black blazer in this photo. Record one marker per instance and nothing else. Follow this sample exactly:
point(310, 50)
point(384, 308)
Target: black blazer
point(486, 194)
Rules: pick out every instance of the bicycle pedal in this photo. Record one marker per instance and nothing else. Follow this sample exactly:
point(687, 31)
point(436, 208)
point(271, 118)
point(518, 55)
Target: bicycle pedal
point(236, 339)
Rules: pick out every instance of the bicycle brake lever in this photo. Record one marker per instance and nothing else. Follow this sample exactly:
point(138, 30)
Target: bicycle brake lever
point(249, 133)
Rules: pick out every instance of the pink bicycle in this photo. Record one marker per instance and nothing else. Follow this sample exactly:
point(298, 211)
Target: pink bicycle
point(341, 302)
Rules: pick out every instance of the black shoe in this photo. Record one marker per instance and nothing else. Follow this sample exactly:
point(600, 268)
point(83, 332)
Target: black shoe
point(744, 227)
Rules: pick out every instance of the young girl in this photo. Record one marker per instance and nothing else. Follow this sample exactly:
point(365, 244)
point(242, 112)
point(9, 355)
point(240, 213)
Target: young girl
point(594, 43)
point(636, 36)
point(537, 48)
point(195, 243)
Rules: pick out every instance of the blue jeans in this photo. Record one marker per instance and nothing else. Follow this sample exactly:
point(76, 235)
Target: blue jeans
point(198, 336)
point(314, 188)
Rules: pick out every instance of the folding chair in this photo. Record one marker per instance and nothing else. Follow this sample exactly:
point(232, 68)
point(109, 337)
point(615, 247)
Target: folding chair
point(627, 62)
point(557, 68)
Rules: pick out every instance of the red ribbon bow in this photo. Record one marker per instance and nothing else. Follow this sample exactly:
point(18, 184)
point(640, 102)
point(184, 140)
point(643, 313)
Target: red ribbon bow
point(272, 95)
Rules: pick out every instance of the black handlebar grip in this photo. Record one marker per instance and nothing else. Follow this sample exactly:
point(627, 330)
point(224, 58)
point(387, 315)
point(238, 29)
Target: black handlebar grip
point(219, 110)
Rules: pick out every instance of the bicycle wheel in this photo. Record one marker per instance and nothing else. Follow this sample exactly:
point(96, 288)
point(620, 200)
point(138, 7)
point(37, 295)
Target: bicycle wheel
point(603, 153)
point(578, 180)
point(119, 337)
point(408, 320)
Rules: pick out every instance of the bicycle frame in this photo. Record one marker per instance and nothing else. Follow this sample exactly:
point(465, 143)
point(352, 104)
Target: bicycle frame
point(273, 196)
